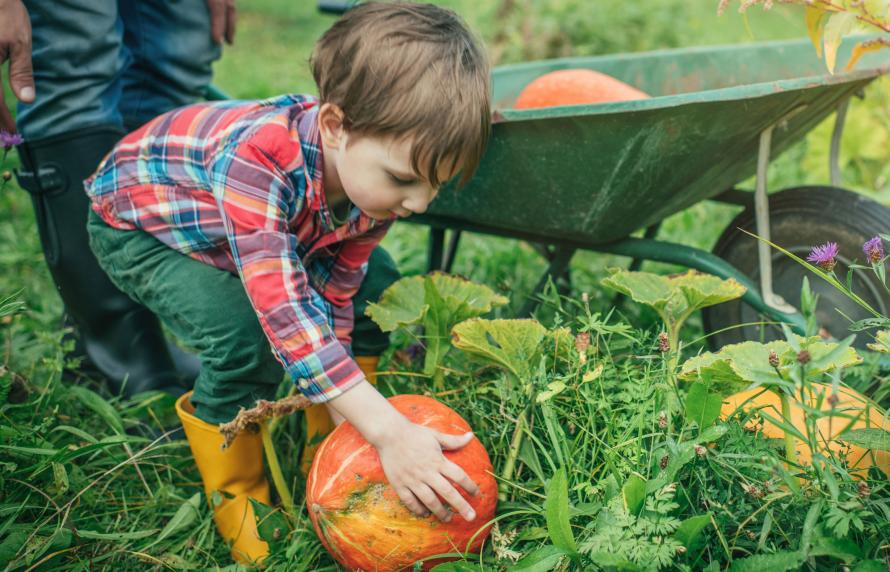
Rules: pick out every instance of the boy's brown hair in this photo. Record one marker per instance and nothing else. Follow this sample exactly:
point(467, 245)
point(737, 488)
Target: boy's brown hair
point(400, 69)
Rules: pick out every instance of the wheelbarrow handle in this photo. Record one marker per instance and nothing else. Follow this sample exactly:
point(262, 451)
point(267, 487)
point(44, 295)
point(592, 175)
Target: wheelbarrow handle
point(336, 6)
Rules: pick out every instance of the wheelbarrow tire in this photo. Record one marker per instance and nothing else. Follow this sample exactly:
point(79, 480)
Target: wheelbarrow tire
point(801, 218)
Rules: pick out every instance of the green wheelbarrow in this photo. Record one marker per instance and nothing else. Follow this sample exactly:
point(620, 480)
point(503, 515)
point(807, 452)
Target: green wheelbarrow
point(589, 176)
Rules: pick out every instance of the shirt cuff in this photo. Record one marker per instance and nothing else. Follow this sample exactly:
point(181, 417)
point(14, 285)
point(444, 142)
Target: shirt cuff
point(326, 373)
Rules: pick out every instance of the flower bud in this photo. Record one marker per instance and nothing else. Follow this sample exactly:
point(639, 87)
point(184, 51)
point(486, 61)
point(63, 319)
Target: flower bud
point(864, 490)
point(663, 342)
point(773, 358)
point(804, 357)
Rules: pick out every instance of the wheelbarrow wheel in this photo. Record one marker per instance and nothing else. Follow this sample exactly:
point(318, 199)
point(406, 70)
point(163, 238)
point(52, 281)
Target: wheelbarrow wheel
point(801, 218)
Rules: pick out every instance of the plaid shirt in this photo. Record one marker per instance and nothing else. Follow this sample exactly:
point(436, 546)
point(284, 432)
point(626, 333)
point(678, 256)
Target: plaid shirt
point(239, 185)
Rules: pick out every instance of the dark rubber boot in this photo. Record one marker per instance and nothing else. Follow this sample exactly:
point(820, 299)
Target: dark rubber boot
point(121, 338)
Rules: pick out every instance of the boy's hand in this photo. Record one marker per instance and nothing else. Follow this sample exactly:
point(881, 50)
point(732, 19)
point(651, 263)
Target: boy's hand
point(411, 454)
point(417, 470)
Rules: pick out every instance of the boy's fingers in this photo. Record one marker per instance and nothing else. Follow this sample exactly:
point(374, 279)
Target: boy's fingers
point(452, 442)
point(447, 491)
point(411, 501)
point(459, 476)
point(426, 495)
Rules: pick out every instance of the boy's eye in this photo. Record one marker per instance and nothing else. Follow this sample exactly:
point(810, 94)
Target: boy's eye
point(402, 182)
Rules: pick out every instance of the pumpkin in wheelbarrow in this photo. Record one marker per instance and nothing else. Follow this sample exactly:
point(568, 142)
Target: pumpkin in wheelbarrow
point(851, 411)
point(575, 87)
point(361, 520)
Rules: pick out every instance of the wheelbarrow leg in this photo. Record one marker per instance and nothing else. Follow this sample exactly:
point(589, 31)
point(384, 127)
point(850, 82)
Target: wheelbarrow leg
point(435, 249)
point(451, 251)
point(559, 265)
point(438, 257)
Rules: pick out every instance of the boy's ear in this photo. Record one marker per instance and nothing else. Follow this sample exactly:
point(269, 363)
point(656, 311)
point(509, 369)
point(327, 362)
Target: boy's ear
point(330, 124)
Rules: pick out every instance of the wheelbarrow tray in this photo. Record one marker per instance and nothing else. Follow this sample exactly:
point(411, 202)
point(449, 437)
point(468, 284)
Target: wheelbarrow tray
point(596, 173)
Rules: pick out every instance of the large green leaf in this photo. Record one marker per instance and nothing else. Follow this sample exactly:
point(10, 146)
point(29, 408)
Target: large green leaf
point(511, 344)
point(702, 406)
point(405, 302)
point(402, 304)
point(737, 366)
point(647, 288)
point(702, 290)
point(556, 512)
point(674, 297)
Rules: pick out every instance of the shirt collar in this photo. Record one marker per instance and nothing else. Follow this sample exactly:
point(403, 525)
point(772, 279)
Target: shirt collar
point(313, 156)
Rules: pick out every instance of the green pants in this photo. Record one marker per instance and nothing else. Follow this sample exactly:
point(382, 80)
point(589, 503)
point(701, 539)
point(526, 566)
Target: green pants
point(208, 309)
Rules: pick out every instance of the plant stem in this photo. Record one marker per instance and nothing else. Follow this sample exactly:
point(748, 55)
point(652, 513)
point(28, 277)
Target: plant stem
point(790, 450)
point(275, 469)
point(510, 463)
point(439, 379)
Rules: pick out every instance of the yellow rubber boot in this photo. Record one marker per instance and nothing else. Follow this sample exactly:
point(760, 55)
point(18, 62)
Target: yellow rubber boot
point(237, 471)
point(318, 421)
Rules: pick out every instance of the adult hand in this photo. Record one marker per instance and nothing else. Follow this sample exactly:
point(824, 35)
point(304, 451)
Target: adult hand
point(222, 20)
point(15, 46)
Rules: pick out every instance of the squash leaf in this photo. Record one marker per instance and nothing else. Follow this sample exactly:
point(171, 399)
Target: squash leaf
point(511, 344)
point(436, 301)
point(738, 366)
point(674, 297)
point(405, 302)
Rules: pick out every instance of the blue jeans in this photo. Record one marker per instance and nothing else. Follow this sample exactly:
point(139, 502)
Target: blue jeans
point(114, 62)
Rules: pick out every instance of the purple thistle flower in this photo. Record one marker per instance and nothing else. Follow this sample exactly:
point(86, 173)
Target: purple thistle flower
point(8, 140)
point(824, 256)
point(874, 250)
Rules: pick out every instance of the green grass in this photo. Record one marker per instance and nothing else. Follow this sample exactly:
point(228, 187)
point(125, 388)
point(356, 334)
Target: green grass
point(76, 493)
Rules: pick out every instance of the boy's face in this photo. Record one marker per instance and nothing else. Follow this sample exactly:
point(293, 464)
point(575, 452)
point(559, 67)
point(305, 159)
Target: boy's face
point(374, 173)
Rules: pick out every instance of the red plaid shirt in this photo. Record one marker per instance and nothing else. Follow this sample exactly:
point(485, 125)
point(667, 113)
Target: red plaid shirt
point(239, 185)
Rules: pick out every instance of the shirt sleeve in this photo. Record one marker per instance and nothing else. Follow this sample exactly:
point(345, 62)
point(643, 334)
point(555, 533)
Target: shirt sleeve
point(256, 199)
point(347, 274)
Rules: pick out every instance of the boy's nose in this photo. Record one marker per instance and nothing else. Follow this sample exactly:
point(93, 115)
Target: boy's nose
point(417, 206)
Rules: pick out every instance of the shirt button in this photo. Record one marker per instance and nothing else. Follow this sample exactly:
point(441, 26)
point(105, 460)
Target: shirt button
point(304, 383)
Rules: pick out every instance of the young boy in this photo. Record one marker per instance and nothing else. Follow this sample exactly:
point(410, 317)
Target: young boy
point(244, 224)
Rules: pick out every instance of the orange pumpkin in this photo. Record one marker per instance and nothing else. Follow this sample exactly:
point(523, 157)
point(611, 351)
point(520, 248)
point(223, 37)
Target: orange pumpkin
point(361, 520)
point(850, 403)
point(575, 87)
